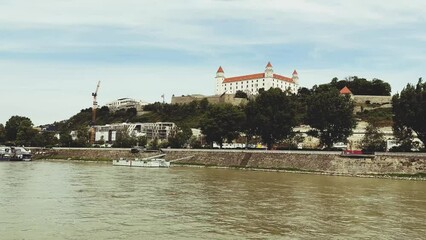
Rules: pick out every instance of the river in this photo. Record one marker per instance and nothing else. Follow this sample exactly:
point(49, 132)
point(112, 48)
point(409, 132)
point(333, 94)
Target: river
point(71, 200)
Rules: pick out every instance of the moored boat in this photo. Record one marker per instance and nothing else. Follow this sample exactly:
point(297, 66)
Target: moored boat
point(151, 162)
point(15, 154)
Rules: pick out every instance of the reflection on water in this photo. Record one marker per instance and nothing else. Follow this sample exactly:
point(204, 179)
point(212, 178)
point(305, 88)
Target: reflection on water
point(59, 200)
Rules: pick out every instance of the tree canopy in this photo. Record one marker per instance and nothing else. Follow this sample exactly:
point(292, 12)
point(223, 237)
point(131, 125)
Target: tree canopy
point(330, 115)
point(2, 134)
point(361, 86)
point(13, 126)
point(222, 122)
point(373, 139)
point(409, 109)
point(271, 116)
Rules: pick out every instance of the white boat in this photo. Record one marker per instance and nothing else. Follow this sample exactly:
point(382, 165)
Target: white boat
point(15, 154)
point(151, 162)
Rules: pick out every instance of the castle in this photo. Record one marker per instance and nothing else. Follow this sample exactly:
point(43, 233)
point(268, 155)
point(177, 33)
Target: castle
point(252, 83)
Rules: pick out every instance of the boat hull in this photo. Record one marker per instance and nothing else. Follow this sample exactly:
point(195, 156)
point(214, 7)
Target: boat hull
point(152, 163)
point(15, 154)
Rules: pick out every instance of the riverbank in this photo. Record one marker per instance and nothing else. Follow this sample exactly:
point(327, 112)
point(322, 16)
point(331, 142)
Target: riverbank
point(383, 165)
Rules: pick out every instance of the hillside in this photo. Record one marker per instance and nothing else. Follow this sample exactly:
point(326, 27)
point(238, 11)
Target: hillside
point(188, 115)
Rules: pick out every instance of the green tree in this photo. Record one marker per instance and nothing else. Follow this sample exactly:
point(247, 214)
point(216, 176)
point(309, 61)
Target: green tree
point(65, 139)
point(2, 134)
point(194, 142)
point(154, 144)
point(180, 137)
point(409, 109)
point(141, 141)
point(271, 116)
point(12, 127)
point(361, 86)
point(240, 94)
point(330, 115)
point(82, 137)
point(43, 139)
point(123, 139)
point(373, 139)
point(25, 133)
point(404, 137)
point(222, 122)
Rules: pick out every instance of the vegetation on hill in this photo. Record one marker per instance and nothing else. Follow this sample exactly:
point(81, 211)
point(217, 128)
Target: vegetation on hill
point(373, 139)
point(381, 117)
point(330, 115)
point(361, 86)
point(409, 109)
point(270, 117)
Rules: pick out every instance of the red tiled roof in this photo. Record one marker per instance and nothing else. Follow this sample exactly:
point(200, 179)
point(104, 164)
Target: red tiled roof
point(255, 76)
point(269, 64)
point(282, 78)
point(345, 90)
point(245, 77)
point(220, 70)
point(295, 72)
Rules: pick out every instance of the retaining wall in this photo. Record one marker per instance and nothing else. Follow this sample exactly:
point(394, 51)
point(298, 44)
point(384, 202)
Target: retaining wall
point(327, 162)
point(324, 162)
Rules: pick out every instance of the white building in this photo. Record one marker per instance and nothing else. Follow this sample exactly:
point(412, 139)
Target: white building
point(125, 103)
point(253, 82)
point(158, 130)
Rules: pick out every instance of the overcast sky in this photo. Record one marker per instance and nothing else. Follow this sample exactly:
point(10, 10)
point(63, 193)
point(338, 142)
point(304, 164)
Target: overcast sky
point(53, 52)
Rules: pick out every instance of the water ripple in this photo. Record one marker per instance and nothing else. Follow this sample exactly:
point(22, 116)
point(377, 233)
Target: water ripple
point(59, 200)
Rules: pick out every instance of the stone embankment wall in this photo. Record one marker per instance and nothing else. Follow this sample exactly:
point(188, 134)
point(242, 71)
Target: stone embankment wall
point(322, 162)
point(89, 154)
point(325, 162)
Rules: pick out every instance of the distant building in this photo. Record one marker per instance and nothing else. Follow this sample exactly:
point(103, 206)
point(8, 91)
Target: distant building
point(158, 130)
point(345, 91)
point(252, 83)
point(126, 103)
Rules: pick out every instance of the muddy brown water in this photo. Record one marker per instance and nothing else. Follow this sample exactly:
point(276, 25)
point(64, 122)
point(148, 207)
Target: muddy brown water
point(66, 200)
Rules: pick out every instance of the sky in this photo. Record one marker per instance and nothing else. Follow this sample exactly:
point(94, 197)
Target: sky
point(53, 52)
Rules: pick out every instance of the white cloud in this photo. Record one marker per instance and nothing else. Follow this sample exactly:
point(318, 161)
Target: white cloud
point(336, 38)
point(190, 24)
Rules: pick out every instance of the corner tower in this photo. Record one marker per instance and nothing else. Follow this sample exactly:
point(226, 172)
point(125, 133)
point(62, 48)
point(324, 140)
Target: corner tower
point(295, 77)
point(220, 76)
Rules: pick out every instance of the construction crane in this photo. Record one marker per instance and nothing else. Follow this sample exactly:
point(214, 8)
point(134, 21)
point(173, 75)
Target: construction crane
point(94, 107)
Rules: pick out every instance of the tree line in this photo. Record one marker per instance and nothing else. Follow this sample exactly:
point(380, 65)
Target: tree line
point(269, 118)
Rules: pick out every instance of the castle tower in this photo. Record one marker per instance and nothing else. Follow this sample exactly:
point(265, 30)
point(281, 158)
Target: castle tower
point(269, 72)
point(220, 76)
point(295, 77)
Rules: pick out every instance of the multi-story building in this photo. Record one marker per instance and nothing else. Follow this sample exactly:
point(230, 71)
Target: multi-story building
point(158, 130)
point(126, 103)
point(252, 83)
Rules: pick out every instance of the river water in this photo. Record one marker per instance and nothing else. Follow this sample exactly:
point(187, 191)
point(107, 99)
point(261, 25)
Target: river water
point(63, 200)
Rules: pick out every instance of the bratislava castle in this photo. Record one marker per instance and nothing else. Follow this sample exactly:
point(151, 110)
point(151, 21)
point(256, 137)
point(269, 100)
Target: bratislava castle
point(253, 82)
